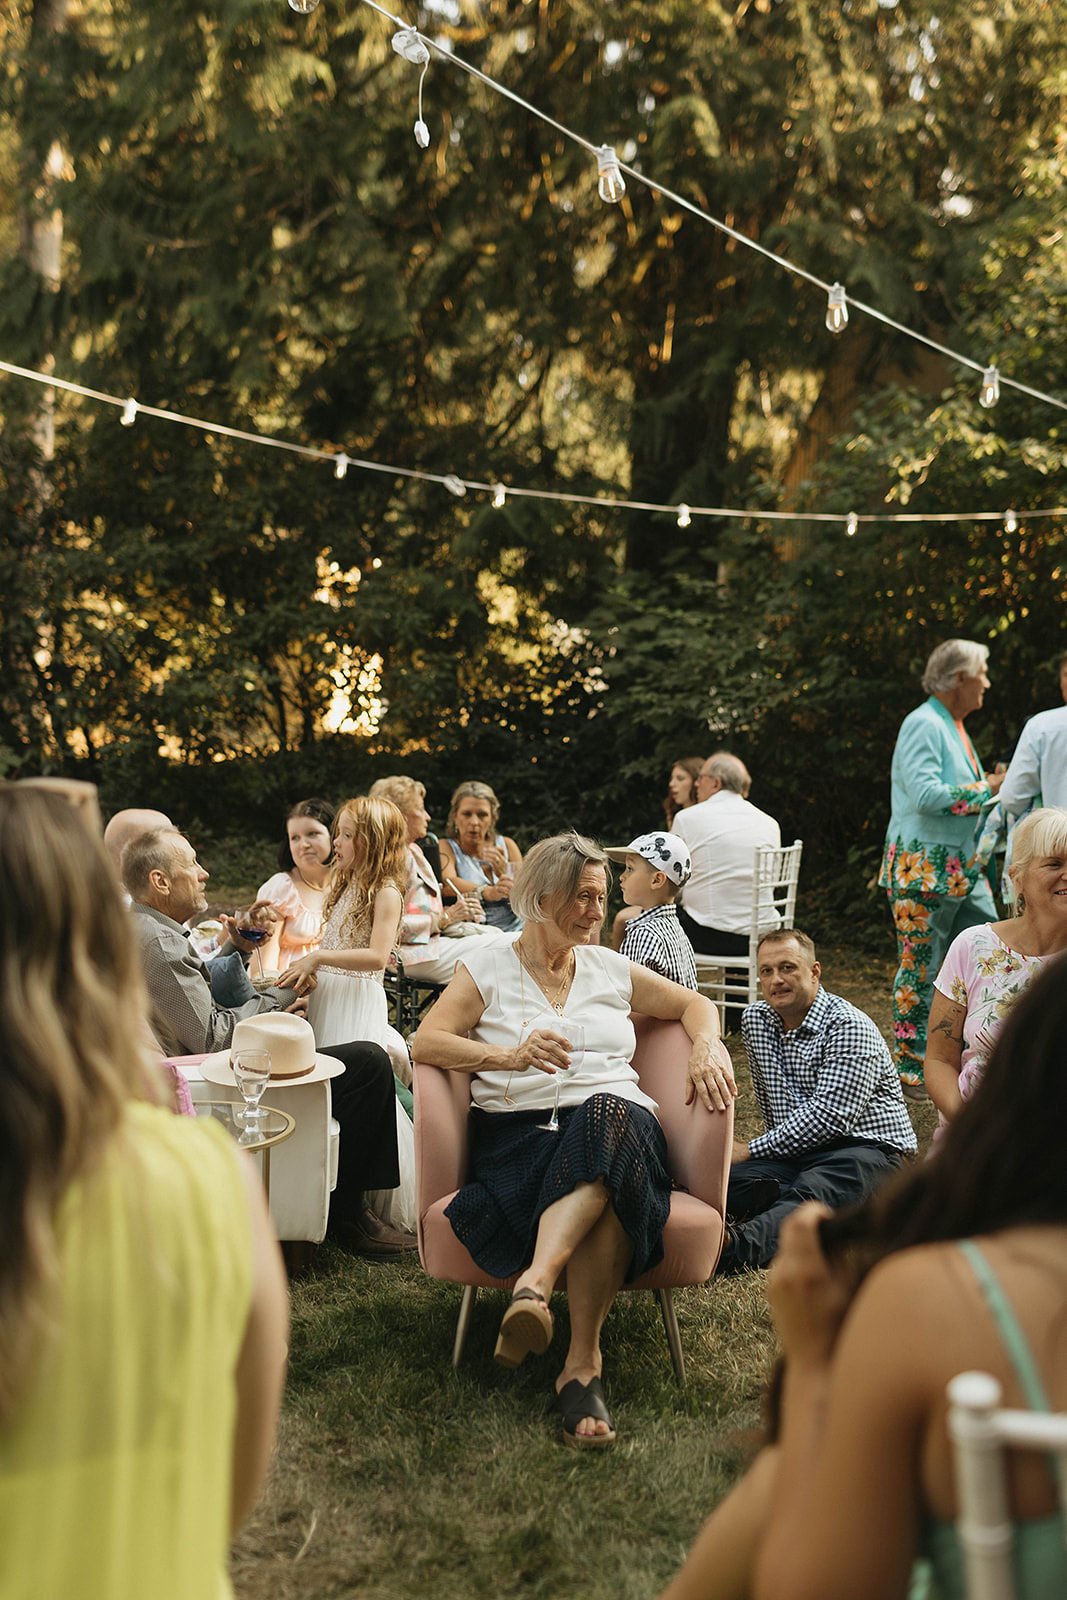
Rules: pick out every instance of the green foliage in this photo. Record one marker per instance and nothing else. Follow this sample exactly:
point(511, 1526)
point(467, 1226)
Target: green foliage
point(252, 235)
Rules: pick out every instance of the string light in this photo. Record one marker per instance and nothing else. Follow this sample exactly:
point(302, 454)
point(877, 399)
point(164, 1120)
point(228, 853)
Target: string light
point(685, 204)
point(836, 309)
point(684, 516)
point(990, 391)
point(407, 43)
point(340, 466)
point(1011, 522)
point(302, 7)
point(458, 486)
point(500, 495)
point(852, 525)
point(610, 183)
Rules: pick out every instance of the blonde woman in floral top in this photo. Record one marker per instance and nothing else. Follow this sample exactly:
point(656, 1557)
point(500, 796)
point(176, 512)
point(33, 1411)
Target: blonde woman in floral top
point(988, 966)
point(935, 884)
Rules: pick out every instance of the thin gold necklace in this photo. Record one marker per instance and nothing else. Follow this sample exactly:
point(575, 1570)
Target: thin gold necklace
point(316, 888)
point(555, 1001)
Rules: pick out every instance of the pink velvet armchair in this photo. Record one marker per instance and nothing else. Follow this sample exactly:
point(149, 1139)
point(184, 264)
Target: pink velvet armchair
point(699, 1145)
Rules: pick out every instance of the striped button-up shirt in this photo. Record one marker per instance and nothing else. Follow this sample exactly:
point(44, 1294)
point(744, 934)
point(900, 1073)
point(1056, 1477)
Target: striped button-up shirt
point(830, 1079)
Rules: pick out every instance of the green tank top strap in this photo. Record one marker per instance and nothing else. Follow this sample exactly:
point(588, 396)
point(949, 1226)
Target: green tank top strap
point(1015, 1340)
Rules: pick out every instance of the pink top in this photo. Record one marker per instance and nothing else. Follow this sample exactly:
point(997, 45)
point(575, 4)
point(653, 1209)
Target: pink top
point(983, 974)
point(301, 927)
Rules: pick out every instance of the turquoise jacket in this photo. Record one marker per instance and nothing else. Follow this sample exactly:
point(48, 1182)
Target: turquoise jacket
point(936, 798)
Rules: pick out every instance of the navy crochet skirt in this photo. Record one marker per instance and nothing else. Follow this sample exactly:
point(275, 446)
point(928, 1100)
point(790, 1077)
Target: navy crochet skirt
point(519, 1171)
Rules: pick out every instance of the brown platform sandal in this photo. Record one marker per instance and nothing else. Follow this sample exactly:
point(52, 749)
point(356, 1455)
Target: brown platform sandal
point(526, 1328)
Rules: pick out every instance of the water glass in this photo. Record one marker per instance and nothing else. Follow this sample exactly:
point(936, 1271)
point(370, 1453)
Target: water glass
point(251, 1074)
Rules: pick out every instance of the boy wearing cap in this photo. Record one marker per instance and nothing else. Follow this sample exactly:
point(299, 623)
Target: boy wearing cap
point(655, 867)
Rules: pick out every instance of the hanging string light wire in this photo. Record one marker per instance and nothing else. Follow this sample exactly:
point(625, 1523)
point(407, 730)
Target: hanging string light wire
point(594, 149)
point(496, 492)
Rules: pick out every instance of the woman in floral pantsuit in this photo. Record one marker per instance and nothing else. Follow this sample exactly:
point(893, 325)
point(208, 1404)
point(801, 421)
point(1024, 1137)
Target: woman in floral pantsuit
point(935, 884)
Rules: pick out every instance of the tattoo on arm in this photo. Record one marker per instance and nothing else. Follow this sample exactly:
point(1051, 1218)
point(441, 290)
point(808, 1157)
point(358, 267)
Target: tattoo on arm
point(945, 1027)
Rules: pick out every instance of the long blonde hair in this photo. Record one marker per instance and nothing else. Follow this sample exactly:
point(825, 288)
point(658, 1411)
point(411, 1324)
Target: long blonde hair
point(72, 1010)
point(380, 827)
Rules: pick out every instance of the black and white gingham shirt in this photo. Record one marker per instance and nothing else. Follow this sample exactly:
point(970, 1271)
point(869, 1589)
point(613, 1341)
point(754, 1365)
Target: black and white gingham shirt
point(829, 1080)
point(655, 939)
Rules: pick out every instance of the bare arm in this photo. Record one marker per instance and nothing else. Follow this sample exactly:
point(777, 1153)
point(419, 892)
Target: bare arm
point(845, 1519)
point(722, 1561)
point(441, 1042)
point(711, 1073)
point(372, 957)
point(260, 1374)
point(944, 1054)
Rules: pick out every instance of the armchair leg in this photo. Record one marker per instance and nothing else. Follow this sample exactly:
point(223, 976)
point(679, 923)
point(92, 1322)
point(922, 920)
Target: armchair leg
point(466, 1306)
point(674, 1338)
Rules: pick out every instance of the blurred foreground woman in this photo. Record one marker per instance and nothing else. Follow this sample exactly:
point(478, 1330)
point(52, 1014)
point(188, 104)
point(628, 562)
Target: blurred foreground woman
point(967, 1254)
point(142, 1300)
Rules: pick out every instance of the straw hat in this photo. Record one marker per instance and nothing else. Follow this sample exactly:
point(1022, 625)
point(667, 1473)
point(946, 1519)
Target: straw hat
point(291, 1042)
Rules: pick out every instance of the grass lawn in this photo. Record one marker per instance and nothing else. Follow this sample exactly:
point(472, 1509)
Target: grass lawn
point(396, 1477)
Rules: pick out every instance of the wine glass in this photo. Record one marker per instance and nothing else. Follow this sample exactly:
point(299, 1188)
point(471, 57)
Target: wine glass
point(254, 929)
point(251, 1074)
point(575, 1034)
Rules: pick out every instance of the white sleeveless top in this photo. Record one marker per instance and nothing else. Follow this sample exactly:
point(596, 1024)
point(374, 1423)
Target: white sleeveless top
point(599, 999)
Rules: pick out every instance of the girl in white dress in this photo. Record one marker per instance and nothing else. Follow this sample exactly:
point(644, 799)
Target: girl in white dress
point(361, 919)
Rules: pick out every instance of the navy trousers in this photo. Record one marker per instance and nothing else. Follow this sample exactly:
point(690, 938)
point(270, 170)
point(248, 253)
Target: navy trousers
point(837, 1175)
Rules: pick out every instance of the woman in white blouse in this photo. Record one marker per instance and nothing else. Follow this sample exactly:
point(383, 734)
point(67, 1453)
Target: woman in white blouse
point(548, 1012)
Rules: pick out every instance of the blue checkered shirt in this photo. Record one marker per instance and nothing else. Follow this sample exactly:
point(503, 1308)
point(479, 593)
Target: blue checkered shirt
point(655, 939)
point(829, 1080)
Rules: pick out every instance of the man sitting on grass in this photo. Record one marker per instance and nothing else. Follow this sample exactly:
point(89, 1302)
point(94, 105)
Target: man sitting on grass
point(655, 867)
point(835, 1119)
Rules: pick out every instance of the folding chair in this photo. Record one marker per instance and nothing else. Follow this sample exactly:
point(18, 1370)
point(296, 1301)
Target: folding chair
point(734, 979)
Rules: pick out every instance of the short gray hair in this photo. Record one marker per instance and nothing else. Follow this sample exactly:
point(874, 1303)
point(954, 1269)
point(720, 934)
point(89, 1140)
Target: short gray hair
point(1042, 833)
point(549, 875)
point(948, 659)
point(730, 771)
point(147, 853)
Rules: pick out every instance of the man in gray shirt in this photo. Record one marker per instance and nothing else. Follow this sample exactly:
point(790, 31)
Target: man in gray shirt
point(166, 885)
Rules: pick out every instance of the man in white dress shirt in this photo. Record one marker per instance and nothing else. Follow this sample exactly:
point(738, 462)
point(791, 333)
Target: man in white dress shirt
point(722, 832)
point(1038, 769)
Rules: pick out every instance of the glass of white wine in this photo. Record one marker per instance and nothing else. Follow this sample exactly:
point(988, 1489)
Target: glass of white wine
point(574, 1032)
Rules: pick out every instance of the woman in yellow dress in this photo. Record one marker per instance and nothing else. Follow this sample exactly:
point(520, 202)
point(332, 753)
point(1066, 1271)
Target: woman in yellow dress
point(142, 1298)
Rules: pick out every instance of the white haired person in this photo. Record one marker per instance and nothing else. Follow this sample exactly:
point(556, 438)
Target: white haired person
point(142, 1296)
point(936, 885)
point(543, 1016)
point(988, 966)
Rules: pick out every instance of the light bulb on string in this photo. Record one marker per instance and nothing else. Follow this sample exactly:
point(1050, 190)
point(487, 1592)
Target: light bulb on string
point(989, 393)
point(611, 185)
point(455, 485)
point(376, 562)
point(852, 525)
point(836, 309)
point(129, 413)
point(684, 516)
point(1011, 522)
point(302, 7)
point(500, 495)
point(340, 465)
point(406, 43)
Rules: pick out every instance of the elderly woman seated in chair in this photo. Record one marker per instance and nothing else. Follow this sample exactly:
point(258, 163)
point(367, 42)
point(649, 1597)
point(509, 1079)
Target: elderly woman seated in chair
point(568, 1161)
